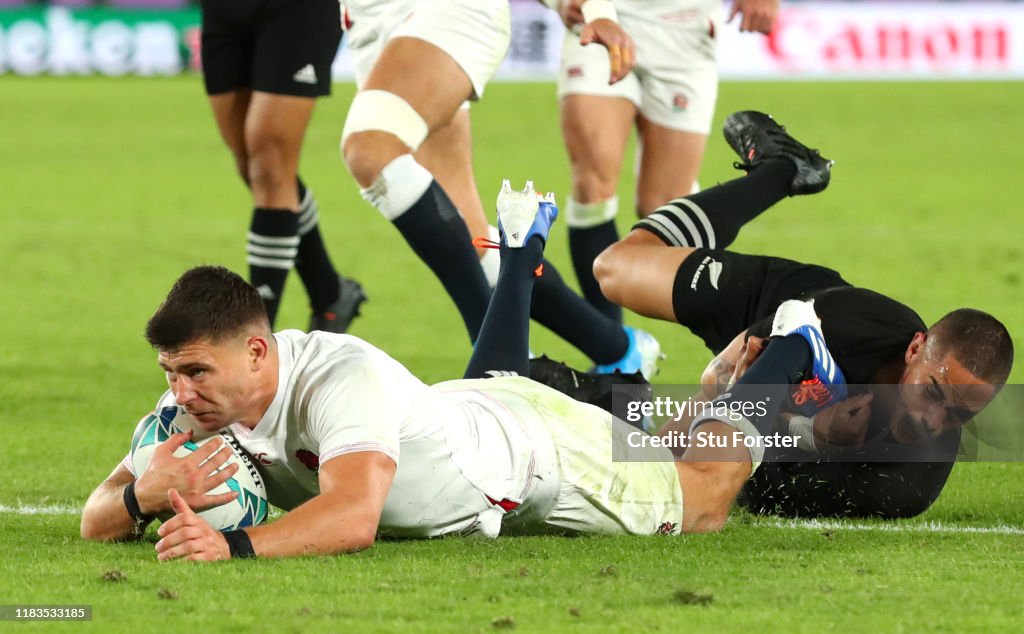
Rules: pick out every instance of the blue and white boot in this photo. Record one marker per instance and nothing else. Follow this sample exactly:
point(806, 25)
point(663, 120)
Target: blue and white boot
point(642, 356)
point(522, 215)
point(827, 386)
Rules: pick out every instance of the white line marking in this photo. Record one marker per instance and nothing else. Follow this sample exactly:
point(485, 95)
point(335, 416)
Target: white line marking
point(53, 509)
point(893, 527)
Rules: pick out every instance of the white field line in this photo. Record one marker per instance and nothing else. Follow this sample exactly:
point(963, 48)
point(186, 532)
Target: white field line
point(52, 509)
point(894, 527)
point(813, 525)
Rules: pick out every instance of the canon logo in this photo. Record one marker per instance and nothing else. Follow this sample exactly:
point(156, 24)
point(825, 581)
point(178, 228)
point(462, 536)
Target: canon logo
point(803, 39)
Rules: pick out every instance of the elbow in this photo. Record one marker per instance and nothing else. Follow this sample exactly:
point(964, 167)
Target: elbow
point(91, 530)
point(88, 532)
point(705, 523)
point(360, 539)
point(365, 541)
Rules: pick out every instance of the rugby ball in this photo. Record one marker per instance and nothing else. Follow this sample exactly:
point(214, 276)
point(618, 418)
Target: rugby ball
point(248, 509)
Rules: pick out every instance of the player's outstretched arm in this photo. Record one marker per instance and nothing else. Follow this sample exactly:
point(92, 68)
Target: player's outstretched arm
point(711, 478)
point(105, 517)
point(342, 519)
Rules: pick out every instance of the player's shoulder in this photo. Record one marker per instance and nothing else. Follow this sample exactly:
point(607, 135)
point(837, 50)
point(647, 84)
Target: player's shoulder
point(295, 345)
point(321, 357)
point(852, 301)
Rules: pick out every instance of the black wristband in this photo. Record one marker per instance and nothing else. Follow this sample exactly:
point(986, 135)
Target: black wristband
point(239, 544)
point(132, 504)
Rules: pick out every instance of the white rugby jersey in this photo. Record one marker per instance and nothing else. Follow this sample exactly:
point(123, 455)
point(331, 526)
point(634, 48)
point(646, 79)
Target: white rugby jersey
point(458, 451)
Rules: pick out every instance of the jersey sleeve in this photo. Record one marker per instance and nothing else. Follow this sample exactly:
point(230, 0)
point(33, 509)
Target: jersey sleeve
point(358, 404)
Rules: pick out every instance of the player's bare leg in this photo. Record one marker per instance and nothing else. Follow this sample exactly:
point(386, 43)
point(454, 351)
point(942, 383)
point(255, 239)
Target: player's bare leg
point(436, 95)
point(264, 132)
point(229, 110)
point(389, 120)
point(595, 130)
point(669, 164)
point(448, 155)
point(274, 131)
point(638, 272)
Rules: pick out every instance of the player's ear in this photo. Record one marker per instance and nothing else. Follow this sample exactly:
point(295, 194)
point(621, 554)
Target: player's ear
point(259, 348)
point(916, 347)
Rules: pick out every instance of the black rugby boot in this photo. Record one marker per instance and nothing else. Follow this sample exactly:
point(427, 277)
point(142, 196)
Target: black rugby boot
point(756, 137)
point(340, 314)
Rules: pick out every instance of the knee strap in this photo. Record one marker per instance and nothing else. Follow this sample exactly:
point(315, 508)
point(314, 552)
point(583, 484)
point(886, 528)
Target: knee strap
point(383, 111)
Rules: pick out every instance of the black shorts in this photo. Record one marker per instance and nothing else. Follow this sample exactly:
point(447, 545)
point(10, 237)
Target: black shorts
point(284, 47)
point(719, 294)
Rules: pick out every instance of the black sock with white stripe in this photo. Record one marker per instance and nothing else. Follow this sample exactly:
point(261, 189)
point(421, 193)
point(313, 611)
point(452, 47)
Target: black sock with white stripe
point(273, 246)
point(313, 264)
point(713, 218)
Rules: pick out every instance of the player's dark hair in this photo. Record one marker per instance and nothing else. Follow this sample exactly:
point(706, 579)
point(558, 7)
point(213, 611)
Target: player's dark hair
point(979, 341)
point(206, 303)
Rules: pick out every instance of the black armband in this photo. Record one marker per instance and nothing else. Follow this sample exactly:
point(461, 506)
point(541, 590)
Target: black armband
point(131, 503)
point(239, 544)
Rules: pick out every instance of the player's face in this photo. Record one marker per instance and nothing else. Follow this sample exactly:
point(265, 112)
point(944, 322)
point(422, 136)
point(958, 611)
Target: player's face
point(937, 393)
point(213, 382)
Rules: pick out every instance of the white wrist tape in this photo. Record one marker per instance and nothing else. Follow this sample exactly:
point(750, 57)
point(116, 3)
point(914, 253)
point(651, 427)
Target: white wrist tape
point(551, 4)
point(802, 428)
point(599, 10)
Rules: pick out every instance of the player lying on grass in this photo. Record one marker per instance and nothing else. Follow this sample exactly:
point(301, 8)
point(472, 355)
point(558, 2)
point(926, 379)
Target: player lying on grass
point(672, 267)
point(394, 457)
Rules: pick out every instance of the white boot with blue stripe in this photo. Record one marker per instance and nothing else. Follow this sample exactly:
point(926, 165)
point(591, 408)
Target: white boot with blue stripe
point(522, 215)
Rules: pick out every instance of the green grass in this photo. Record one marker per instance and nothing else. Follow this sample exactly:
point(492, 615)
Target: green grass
point(112, 187)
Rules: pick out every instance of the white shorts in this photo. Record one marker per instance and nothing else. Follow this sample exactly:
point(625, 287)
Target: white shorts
point(474, 33)
point(595, 495)
point(675, 81)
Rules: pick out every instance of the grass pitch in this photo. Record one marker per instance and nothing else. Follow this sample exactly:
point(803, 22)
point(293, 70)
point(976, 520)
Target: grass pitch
point(112, 187)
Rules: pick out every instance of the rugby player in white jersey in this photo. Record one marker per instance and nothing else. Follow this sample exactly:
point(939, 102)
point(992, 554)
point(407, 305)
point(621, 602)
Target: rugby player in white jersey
point(408, 143)
point(353, 446)
point(669, 97)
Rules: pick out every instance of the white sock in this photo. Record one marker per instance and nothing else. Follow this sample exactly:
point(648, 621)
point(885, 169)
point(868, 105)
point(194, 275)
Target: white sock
point(401, 183)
